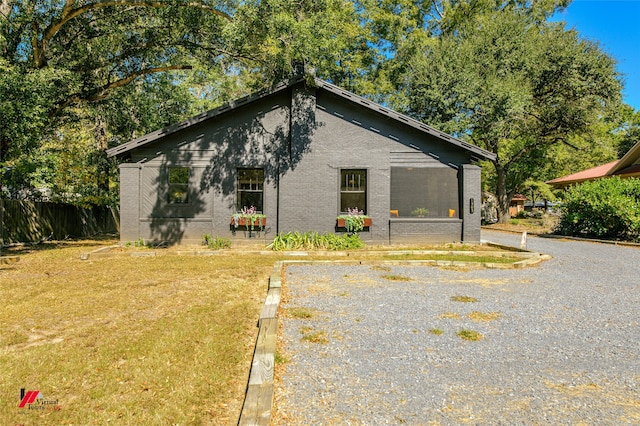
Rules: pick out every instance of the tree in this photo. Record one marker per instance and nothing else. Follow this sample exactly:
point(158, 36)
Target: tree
point(510, 83)
point(74, 52)
point(630, 130)
point(537, 190)
point(126, 67)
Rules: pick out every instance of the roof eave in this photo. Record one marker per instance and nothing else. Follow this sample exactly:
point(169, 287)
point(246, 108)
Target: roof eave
point(477, 152)
point(480, 153)
point(125, 148)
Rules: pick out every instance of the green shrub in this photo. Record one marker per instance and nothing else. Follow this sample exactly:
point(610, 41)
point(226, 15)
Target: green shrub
point(315, 241)
point(215, 243)
point(604, 208)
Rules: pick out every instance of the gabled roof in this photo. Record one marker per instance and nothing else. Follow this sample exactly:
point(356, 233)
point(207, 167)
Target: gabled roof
point(123, 149)
point(589, 174)
point(631, 158)
point(627, 166)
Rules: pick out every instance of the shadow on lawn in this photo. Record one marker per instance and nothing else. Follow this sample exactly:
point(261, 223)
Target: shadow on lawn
point(21, 249)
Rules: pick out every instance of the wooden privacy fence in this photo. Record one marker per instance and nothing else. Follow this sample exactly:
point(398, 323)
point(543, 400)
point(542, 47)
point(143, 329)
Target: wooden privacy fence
point(26, 221)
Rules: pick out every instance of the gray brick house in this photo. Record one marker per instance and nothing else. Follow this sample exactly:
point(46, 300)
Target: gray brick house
point(301, 154)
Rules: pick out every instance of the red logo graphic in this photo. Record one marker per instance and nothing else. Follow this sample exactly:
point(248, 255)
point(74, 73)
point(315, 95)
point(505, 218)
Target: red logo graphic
point(28, 397)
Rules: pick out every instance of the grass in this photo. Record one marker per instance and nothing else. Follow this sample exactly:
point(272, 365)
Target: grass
point(299, 313)
point(129, 340)
point(314, 336)
point(464, 299)
point(458, 257)
point(436, 331)
point(134, 340)
point(484, 316)
point(392, 277)
point(544, 225)
point(470, 335)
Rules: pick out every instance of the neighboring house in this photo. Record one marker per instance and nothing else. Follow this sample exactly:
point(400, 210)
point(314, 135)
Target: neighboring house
point(627, 166)
point(301, 155)
point(516, 205)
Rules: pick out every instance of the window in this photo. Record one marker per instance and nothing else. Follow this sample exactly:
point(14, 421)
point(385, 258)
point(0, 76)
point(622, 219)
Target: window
point(178, 185)
point(353, 190)
point(250, 189)
point(424, 192)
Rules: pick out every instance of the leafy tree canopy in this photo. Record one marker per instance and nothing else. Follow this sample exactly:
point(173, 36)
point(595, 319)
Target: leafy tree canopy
point(510, 83)
point(131, 66)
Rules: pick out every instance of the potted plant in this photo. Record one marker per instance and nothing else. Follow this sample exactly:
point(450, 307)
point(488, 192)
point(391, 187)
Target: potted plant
point(250, 218)
point(420, 212)
point(354, 220)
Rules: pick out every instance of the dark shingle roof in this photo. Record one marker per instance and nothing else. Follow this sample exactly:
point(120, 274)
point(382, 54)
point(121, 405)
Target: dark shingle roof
point(121, 150)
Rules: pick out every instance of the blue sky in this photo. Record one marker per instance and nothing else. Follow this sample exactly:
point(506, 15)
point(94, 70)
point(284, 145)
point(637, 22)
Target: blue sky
point(615, 25)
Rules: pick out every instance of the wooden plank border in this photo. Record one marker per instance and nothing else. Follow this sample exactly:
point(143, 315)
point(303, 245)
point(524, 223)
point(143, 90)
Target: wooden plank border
point(256, 409)
point(5, 260)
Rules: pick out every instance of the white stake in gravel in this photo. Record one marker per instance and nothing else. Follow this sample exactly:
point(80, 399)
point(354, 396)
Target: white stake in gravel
point(523, 241)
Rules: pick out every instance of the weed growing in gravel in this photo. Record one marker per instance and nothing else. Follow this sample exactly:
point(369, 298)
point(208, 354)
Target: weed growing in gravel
point(464, 299)
point(396, 277)
point(471, 335)
point(311, 336)
point(450, 315)
point(280, 359)
point(436, 331)
point(484, 316)
point(299, 313)
point(381, 268)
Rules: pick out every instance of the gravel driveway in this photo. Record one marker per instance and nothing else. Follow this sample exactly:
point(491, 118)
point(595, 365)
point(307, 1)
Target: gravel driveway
point(559, 342)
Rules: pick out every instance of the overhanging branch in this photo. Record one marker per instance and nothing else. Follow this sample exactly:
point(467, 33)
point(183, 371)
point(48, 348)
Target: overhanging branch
point(103, 91)
point(69, 13)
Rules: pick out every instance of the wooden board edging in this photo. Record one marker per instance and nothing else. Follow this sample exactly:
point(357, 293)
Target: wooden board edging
point(5, 260)
point(256, 409)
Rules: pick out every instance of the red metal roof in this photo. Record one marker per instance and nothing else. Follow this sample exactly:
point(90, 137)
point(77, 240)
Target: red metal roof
point(593, 173)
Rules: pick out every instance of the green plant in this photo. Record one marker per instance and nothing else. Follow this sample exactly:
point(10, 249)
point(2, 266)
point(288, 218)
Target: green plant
point(215, 243)
point(353, 220)
point(137, 243)
point(420, 211)
point(314, 241)
point(436, 331)
point(311, 336)
point(278, 358)
point(470, 335)
point(250, 216)
point(299, 313)
point(604, 208)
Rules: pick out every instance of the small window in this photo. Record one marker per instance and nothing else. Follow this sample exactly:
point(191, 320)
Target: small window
point(250, 189)
point(353, 190)
point(178, 185)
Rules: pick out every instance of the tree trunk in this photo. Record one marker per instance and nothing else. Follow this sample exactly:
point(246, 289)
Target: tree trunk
point(102, 160)
point(502, 194)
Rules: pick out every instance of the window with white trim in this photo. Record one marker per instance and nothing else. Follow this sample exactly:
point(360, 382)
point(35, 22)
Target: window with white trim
point(250, 189)
point(353, 190)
